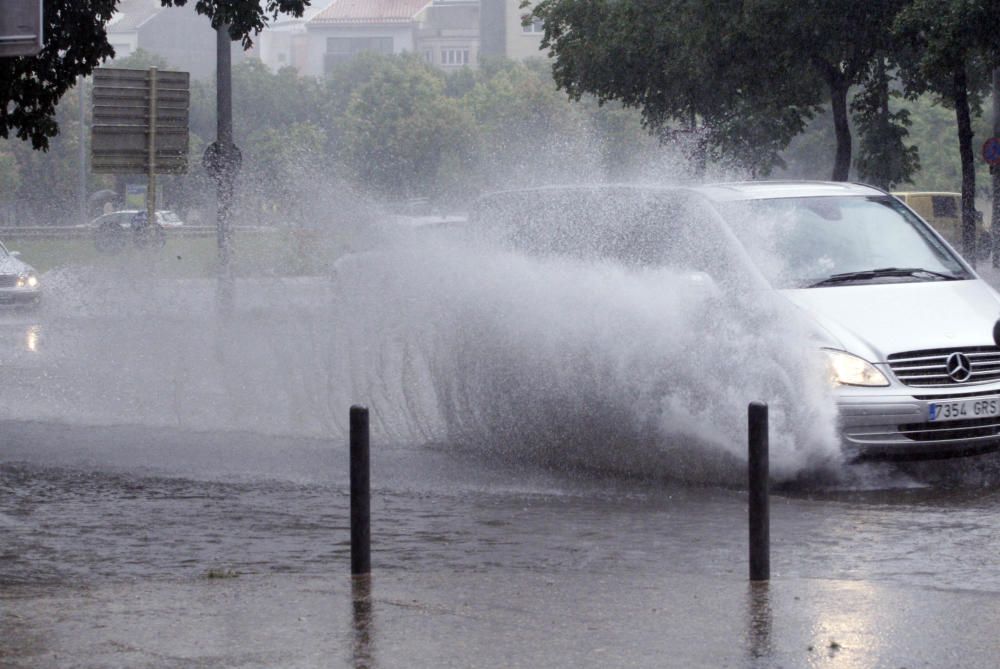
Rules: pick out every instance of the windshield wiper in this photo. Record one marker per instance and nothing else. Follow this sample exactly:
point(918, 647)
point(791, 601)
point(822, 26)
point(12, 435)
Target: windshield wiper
point(867, 274)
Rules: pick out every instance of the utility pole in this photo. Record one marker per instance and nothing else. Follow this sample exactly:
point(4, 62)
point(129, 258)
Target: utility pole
point(83, 152)
point(222, 161)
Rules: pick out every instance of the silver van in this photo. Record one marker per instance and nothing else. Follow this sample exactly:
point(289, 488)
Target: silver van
point(904, 323)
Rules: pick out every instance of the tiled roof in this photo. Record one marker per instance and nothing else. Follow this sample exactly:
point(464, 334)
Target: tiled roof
point(371, 11)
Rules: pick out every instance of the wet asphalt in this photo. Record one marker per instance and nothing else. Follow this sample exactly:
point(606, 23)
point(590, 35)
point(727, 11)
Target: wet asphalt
point(132, 538)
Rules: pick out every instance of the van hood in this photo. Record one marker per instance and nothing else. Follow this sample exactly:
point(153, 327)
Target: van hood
point(876, 320)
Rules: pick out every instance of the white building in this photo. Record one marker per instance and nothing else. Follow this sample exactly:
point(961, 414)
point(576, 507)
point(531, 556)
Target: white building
point(181, 36)
point(448, 36)
point(502, 32)
point(349, 27)
point(284, 42)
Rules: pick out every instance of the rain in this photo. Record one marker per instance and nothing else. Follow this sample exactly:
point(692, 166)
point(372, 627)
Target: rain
point(550, 275)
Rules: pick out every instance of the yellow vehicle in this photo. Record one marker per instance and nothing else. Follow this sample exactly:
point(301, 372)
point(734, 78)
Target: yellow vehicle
point(943, 211)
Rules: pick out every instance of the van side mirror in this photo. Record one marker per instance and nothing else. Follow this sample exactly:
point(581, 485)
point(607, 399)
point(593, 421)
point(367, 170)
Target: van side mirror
point(996, 332)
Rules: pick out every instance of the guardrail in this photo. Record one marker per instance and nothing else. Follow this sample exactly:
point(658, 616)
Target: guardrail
point(87, 232)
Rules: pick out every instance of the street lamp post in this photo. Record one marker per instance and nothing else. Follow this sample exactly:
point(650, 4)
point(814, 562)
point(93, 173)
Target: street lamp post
point(83, 153)
point(222, 161)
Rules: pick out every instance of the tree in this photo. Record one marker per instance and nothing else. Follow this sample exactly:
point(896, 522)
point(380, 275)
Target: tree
point(951, 46)
point(399, 131)
point(527, 130)
point(10, 181)
point(278, 158)
point(48, 184)
point(264, 100)
point(76, 43)
point(691, 68)
point(839, 42)
point(883, 157)
point(140, 59)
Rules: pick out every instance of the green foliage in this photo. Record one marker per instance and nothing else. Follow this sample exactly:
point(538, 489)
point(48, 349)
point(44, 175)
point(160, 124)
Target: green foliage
point(31, 86)
point(940, 165)
point(940, 37)
point(140, 59)
point(278, 159)
point(76, 42)
point(264, 100)
point(399, 130)
point(952, 47)
point(10, 176)
point(46, 190)
point(695, 71)
point(883, 158)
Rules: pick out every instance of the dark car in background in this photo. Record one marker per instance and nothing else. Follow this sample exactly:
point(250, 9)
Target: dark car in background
point(114, 229)
point(123, 218)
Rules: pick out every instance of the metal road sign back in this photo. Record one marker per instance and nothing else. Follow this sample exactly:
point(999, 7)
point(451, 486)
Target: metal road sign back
point(122, 121)
point(20, 28)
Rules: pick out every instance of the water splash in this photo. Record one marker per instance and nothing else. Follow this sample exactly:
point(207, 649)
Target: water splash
point(578, 363)
point(569, 362)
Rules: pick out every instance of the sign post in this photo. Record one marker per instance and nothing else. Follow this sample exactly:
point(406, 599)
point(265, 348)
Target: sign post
point(140, 125)
point(140, 119)
point(151, 154)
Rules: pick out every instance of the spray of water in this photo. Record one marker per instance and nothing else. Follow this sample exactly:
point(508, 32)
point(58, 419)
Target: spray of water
point(570, 361)
point(609, 363)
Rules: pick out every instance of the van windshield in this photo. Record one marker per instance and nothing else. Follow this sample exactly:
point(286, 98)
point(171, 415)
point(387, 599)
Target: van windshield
point(820, 241)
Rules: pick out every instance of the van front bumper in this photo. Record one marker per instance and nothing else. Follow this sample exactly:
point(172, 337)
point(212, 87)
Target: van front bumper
point(895, 423)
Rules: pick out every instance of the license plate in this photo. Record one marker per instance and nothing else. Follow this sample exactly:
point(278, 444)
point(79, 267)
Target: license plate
point(964, 409)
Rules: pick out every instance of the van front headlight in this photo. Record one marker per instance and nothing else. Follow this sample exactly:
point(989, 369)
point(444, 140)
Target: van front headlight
point(850, 370)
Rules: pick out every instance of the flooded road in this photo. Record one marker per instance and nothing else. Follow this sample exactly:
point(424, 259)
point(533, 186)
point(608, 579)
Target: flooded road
point(113, 555)
point(165, 502)
point(263, 505)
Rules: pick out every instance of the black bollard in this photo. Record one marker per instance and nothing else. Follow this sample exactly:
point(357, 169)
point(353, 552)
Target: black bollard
point(361, 535)
point(760, 521)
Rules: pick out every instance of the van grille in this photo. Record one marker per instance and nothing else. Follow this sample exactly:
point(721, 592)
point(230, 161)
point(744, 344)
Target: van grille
point(8, 280)
point(975, 428)
point(927, 368)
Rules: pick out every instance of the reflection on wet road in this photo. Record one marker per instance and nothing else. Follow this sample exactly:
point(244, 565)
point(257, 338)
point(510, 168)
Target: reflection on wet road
point(102, 503)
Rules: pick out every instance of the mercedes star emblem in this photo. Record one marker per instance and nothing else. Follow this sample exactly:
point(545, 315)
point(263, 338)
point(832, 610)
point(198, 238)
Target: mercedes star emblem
point(959, 368)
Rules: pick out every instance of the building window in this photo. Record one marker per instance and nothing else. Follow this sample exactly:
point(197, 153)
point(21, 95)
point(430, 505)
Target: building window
point(535, 27)
point(342, 49)
point(454, 56)
point(429, 56)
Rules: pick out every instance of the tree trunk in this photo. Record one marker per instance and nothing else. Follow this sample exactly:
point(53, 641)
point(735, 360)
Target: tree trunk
point(964, 118)
point(995, 172)
point(838, 103)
